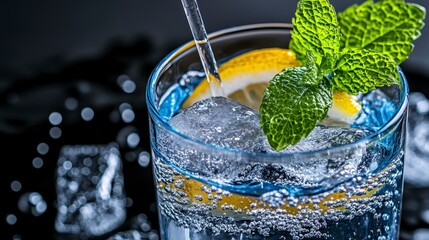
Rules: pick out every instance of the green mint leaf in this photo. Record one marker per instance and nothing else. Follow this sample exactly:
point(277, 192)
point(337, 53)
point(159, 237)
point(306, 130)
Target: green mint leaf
point(385, 26)
point(311, 76)
point(362, 70)
point(316, 29)
point(290, 108)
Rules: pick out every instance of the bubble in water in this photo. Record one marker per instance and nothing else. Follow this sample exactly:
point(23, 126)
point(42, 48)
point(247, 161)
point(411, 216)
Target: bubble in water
point(16, 186)
point(32, 202)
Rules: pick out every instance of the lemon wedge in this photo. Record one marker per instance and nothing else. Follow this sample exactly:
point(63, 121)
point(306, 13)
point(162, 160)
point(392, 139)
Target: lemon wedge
point(245, 77)
point(345, 107)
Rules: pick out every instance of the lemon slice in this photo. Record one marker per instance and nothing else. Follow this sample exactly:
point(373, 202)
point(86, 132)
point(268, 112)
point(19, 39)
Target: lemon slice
point(200, 194)
point(246, 76)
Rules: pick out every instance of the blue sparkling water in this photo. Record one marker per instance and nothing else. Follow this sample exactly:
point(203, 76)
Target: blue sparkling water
point(356, 215)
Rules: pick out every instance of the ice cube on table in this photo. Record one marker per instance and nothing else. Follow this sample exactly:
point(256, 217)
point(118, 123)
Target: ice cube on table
point(90, 190)
point(222, 122)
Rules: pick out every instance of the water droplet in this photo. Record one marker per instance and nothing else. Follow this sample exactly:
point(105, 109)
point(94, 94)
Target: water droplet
point(123, 135)
point(153, 236)
point(42, 148)
point(425, 216)
point(55, 118)
point(67, 165)
point(421, 234)
point(87, 114)
point(55, 132)
point(32, 202)
point(127, 115)
point(128, 86)
point(16, 186)
point(37, 162)
point(130, 156)
point(133, 140)
point(122, 78)
point(144, 159)
point(124, 106)
point(114, 116)
point(71, 103)
point(84, 87)
point(11, 219)
point(129, 202)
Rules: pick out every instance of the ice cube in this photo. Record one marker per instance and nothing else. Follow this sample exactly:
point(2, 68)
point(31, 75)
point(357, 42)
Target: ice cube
point(222, 122)
point(90, 193)
point(226, 123)
point(323, 137)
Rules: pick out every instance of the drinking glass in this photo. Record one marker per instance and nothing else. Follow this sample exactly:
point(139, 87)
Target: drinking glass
point(348, 191)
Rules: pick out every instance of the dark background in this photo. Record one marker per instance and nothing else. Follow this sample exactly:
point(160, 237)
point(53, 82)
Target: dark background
point(53, 50)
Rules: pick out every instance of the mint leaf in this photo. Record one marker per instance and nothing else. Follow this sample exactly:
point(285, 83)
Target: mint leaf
point(362, 70)
point(315, 29)
point(290, 108)
point(385, 26)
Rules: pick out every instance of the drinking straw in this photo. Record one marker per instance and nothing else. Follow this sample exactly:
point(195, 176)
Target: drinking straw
point(202, 43)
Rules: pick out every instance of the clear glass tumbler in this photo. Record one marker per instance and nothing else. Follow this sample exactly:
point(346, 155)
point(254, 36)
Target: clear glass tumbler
point(350, 191)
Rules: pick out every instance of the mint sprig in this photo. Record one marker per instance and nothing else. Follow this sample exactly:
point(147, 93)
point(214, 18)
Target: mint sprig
point(357, 52)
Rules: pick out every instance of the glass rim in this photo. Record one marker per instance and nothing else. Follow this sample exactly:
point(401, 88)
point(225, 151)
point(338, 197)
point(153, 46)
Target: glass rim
point(262, 157)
